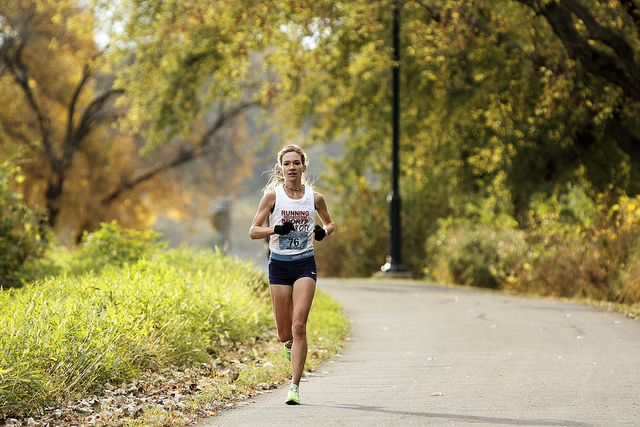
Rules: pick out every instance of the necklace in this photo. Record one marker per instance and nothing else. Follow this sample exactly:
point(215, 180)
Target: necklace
point(294, 189)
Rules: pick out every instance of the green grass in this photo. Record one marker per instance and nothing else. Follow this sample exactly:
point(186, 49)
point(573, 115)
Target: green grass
point(65, 337)
point(68, 335)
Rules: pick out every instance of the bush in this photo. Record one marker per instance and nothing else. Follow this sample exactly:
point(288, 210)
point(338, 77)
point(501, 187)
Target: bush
point(580, 247)
point(476, 255)
point(562, 257)
point(22, 232)
point(116, 246)
point(572, 245)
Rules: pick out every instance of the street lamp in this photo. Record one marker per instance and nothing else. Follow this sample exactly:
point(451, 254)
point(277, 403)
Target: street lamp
point(394, 265)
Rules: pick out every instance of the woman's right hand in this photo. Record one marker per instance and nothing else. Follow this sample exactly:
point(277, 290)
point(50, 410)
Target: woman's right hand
point(284, 228)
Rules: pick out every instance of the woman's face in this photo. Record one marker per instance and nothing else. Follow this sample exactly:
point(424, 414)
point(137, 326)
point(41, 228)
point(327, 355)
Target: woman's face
point(292, 167)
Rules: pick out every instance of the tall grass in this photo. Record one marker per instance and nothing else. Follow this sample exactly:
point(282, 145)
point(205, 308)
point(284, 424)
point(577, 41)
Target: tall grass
point(67, 335)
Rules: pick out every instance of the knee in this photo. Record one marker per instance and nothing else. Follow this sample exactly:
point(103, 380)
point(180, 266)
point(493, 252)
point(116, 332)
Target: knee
point(284, 336)
point(299, 329)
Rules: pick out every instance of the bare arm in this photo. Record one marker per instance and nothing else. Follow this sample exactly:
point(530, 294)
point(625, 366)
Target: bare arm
point(323, 213)
point(257, 231)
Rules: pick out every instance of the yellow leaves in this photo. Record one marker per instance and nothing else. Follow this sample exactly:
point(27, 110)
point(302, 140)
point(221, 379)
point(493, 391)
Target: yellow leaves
point(625, 215)
point(57, 18)
point(479, 77)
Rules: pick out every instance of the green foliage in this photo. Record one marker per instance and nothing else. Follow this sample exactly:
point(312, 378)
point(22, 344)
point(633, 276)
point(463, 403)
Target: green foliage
point(23, 231)
point(594, 256)
point(360, 221)
point(475, 255)
point(117, 246)
point(181, 58)
point(67, 335)
point(493, 108)
point(573, 245)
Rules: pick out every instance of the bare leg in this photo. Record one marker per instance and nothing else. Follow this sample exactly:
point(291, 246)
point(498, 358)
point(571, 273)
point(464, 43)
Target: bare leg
point(302, 296)
point(291, 307)
point(282, 303)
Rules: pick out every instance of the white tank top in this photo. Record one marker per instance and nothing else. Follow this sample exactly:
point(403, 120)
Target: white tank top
point(302, 214)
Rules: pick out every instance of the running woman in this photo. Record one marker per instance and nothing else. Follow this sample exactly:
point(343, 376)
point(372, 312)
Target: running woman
point(290, 204)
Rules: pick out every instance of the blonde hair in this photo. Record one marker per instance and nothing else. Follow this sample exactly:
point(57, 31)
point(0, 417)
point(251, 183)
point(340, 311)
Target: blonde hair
point(276, 178)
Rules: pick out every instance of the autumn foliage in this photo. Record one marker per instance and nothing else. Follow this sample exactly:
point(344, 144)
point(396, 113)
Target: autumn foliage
point(506, 107)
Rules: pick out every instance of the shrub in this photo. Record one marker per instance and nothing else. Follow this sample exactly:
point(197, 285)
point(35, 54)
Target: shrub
point(620, 237)
point(22, 231)
point(580, 247)
point(572, 245)
point(476, 255)
point(562, 258)
point(114, 245)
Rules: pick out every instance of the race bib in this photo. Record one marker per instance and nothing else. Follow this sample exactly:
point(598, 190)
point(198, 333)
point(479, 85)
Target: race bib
point(294, 240)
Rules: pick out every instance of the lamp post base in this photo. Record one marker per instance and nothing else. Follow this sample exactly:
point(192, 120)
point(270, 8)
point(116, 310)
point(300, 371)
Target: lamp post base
point(393, 270)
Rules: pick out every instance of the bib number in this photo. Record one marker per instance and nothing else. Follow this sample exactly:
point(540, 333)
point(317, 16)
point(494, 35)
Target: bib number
point(294, 240)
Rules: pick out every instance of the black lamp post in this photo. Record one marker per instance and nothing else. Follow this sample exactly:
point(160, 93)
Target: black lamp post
point(394, 260)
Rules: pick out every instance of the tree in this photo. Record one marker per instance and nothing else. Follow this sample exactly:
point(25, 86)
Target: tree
point(59, 111)
point(501, 100)
point(181, 58)
point(45, 72)
point(604, 39)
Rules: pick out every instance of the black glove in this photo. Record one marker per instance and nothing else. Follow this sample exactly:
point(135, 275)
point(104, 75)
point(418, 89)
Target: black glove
point(284, 228)
point(320, 233)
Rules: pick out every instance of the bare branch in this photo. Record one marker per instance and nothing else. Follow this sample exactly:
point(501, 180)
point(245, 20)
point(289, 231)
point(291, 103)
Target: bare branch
point(600, 32)
point(72, 105)
point(12, 58)
point(620, 69)
point(435, 15)
point(206, 144)
point(94, 115)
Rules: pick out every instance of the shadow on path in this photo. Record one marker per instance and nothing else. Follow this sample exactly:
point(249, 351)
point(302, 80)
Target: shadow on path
point(454, 417)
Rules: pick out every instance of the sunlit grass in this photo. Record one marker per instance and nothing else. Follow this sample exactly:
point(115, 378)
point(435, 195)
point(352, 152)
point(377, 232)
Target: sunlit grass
point(68, 335)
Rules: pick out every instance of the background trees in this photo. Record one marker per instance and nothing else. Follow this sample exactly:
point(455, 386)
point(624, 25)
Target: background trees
point(52, 105)
point(62, 119)
point(23, 236)
point(511, 111)
point(501, 103)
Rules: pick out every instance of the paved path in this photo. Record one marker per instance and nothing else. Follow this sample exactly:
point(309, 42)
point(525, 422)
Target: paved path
point(429, 355)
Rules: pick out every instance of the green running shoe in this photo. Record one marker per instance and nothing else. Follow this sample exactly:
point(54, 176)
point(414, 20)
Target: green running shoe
point(287, 349)
point(294, 396)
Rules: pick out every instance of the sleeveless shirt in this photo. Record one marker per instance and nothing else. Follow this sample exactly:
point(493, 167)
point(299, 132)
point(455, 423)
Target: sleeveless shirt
point(301, 213)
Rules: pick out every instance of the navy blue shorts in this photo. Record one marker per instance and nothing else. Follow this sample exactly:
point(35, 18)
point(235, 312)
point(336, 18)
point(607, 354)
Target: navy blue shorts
point(288, 272)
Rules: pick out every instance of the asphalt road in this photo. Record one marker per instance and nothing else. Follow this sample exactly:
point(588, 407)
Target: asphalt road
point(422, 354)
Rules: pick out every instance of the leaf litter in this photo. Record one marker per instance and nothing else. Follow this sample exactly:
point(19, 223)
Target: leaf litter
point(187, 394)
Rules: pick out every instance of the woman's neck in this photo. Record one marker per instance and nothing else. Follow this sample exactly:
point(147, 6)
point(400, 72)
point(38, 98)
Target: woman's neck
point(294, 191)
point(294, 186)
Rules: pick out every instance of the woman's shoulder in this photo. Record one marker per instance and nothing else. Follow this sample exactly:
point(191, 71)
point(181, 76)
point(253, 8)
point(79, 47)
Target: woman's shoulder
point(318, 197)
point(269, 196)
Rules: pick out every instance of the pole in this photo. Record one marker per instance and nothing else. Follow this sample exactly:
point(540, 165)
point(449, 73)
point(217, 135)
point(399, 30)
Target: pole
point(394, 260)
